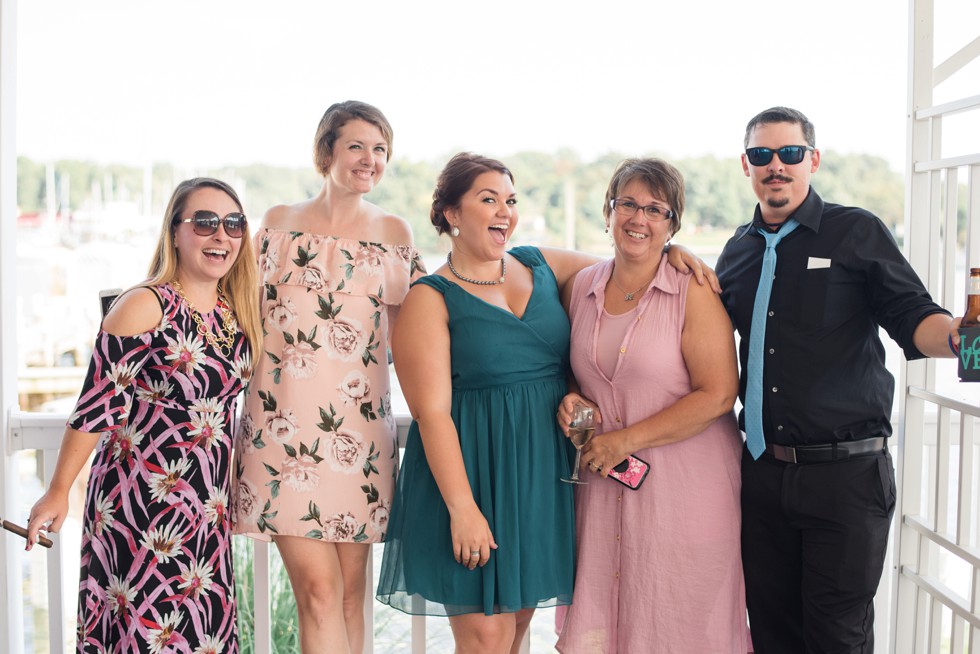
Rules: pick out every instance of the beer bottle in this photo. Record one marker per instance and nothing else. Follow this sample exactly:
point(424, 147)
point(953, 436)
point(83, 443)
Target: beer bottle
point(972, 317)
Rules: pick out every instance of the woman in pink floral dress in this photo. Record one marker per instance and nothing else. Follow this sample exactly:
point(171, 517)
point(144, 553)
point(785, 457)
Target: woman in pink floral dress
point(317, 448)
point(159, 401)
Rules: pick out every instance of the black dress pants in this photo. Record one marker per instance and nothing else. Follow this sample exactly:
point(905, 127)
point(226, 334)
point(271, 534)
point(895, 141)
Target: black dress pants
point(813, 545)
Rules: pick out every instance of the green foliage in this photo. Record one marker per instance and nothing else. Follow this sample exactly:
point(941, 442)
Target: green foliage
point(406, 191)
point(717, 193)
point(285, 624)
point(263, 187)
point(862, 180)
point(553, 188)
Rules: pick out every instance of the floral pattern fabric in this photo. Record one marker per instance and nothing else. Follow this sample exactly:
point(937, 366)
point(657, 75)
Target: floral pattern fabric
point(156, 564)
point(317, 451)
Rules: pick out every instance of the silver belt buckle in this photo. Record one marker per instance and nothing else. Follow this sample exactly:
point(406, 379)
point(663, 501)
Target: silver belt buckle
point(784, 453)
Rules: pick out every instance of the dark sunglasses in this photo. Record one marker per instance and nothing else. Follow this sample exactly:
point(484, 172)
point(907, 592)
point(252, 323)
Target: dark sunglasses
point(206, 223)
point(788, 154)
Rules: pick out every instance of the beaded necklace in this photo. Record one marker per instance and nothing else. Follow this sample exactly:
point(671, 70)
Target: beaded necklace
point(492, 282)
point(225, 338)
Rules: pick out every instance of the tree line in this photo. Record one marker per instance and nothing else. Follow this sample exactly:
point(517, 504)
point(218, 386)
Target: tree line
point(553, 190)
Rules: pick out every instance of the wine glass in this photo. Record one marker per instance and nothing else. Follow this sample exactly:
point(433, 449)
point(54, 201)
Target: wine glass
point(580, 431)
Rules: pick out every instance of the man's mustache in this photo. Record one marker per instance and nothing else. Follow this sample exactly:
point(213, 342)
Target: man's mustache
point(777, 178)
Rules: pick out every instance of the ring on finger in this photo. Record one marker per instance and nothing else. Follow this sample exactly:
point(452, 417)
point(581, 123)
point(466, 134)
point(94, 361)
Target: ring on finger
point(474, 553)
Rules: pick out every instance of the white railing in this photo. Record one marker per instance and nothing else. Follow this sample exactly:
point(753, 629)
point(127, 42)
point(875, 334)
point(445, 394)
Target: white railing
point(42, 433)
point(939, 561)
point(936, 608)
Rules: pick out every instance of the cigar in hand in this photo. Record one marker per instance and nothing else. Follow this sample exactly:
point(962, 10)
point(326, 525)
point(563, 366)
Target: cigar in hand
point(21, 531)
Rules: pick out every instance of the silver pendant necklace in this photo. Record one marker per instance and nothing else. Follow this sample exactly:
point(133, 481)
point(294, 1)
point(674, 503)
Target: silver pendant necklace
point(493, 282)
point(627, 296)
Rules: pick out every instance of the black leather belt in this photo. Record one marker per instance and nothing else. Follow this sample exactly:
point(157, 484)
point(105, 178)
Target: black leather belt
point(829, 452)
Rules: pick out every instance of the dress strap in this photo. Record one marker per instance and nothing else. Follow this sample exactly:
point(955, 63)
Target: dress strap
point(159, 292)
point(529, 255)
point(437, 282)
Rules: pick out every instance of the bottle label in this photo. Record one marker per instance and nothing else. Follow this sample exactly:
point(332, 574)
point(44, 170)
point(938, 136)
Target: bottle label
point(968, 366)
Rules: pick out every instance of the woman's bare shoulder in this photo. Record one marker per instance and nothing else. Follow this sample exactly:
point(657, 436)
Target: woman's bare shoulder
point(285, 216)
point(136, 311)
point(390, 228)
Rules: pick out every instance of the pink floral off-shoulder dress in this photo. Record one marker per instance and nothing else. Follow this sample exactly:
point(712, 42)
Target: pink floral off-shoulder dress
point(316, 454)
point(156, 564)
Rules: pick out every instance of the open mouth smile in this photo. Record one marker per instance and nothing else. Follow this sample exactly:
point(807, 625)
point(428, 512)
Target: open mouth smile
point(499, 231)
point(215, 254)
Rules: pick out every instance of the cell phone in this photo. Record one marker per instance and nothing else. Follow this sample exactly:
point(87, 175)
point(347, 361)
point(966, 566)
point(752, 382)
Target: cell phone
point(106, 298)
point(631, 472)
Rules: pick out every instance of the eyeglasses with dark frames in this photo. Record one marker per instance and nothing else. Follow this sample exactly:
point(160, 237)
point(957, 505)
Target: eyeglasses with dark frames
point(206, 223)
point(627, 209)
point(788, 154)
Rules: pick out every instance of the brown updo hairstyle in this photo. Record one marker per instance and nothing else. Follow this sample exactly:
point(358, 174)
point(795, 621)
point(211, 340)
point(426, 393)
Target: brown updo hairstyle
point(662, 180)
point(455, 180)
point(338, 115)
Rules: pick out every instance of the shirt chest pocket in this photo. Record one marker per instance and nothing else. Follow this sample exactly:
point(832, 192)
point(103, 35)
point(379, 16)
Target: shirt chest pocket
point(828, 296)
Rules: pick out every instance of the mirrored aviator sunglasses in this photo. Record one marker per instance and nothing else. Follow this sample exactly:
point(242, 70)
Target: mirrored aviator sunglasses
point(206, 223)
point(788, 154)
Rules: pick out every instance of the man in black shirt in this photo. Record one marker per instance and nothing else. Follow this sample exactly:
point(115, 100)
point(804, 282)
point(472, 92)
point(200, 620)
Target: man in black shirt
point(818, 492)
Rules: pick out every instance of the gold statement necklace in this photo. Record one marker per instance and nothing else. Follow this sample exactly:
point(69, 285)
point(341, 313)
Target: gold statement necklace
point(225, 338)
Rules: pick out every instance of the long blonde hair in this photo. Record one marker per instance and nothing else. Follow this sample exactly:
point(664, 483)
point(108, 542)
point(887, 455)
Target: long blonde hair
point(240, 285)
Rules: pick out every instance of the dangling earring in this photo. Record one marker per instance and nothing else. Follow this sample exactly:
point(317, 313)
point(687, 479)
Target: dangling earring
point(454, 232)
point(607, 229)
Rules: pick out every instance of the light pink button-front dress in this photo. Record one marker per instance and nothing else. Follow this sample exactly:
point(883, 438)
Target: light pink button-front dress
point(658, 568)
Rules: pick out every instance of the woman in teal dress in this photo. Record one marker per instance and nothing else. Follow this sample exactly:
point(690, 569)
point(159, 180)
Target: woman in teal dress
point(481, 527)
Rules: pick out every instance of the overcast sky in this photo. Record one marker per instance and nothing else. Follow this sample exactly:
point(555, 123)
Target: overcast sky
point(213, 82)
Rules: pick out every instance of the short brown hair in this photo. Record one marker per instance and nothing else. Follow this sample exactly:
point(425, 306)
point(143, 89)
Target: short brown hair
point(662, 180)
point(783, 115)
point(338, 115)
point(455, 180)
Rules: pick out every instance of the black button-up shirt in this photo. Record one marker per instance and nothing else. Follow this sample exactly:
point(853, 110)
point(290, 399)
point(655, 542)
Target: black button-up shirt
point(839, 276)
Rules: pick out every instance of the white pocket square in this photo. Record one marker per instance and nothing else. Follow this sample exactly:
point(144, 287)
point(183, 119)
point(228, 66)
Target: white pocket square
point(817, 262)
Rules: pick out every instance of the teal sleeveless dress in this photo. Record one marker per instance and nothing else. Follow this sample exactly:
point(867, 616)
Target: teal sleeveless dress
point(508, 376)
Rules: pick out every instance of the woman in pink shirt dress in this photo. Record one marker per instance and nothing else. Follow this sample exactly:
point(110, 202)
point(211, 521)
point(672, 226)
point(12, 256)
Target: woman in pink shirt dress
point(658, 568)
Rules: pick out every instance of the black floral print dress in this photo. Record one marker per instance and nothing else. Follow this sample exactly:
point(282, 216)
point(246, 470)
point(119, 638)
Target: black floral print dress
point(156, 566)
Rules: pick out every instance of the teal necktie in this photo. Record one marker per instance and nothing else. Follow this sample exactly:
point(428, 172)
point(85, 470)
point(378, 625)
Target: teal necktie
point(755, 439)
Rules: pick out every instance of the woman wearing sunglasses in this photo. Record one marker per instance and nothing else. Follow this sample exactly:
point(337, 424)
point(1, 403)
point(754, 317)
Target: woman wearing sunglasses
point(158, 403)
point(317, 445)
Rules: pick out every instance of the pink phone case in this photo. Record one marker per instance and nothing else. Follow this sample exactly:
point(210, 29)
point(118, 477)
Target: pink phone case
point(631, 472)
